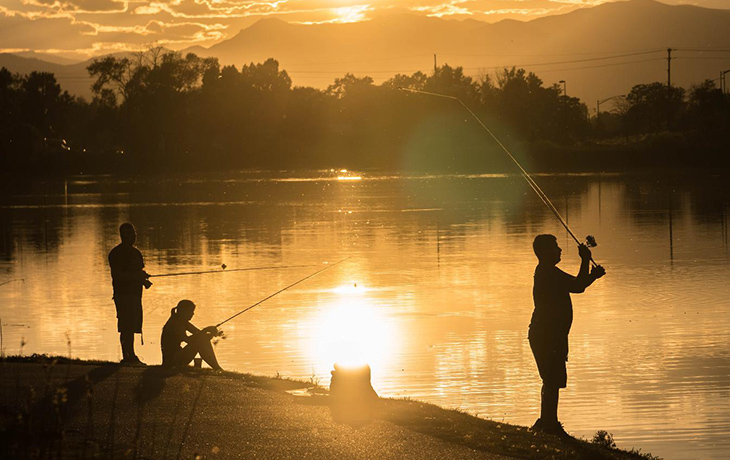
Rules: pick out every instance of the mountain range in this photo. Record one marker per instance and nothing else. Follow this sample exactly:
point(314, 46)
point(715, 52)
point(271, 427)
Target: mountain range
point(598, 52)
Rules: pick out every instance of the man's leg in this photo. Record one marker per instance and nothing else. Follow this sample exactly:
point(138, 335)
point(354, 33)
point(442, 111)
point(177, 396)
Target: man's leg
point(129, 320)
point(126, 339)
point(549, 404)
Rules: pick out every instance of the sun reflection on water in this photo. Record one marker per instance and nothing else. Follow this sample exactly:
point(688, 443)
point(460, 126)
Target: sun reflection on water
point(351, 330)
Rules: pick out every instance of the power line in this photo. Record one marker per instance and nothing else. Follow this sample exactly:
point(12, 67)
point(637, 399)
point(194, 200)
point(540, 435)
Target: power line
point(415, 56)
point(703, 58)
point(704, 50)
point(602, 65)
point(536, 64)
point(575, 61)
point(645, 50)
point(336, 72)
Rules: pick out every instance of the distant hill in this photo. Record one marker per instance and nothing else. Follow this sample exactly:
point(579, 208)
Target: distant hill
point(73, 77)
point(568, 47)
point(315, 55)
point(48, 57)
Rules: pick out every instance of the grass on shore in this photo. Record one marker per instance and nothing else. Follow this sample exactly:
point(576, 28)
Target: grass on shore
point(502, 438)
point(48, 399)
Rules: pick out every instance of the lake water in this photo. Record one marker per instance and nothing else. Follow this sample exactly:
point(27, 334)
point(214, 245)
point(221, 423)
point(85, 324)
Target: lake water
point(436, 297)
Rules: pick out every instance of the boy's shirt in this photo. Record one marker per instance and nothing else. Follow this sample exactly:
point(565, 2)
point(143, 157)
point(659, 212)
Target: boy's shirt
point(553, 314)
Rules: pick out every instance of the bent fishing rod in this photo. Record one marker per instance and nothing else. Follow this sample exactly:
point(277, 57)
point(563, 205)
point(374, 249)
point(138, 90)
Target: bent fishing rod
point(590, 240)
point(223, 270)
point(281, 290)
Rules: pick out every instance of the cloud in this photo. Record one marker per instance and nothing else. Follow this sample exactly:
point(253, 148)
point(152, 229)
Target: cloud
point(491, 10)
point(38, 33)
point(80, 5)
point(98, 25)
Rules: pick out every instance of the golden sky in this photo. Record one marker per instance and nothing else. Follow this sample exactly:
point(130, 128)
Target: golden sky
point(83, 28)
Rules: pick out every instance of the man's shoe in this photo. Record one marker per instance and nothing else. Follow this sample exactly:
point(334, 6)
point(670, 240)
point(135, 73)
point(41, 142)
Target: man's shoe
point(556, 429)
point(539, 425)
point(135, 361)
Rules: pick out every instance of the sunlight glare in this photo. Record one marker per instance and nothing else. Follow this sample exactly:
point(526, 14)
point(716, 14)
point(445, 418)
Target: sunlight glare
point(351, 332)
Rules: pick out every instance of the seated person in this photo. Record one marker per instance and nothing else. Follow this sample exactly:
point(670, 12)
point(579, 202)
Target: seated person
point(175, 332)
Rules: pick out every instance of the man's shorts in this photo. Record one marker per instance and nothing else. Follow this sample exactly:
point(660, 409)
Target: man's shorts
point(550, 356)
point(129, 313)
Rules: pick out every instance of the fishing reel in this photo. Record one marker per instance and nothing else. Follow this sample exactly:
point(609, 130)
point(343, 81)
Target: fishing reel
point(146, 280)
point(591, 243)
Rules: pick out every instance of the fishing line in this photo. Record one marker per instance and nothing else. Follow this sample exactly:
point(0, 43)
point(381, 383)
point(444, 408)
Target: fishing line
point(10, 281)
point(223, 270)
point(535, 187)
point(281, 290)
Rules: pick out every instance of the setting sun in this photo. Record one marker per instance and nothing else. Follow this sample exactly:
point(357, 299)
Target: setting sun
point(347, 14)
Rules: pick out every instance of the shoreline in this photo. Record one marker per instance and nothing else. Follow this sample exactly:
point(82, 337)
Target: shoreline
point(77, 408)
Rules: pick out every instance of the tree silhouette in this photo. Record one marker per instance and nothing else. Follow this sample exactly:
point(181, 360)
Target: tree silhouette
point(169, 111)
point(652, 106)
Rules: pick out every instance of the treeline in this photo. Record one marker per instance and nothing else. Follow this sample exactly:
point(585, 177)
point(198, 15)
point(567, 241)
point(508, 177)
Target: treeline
point(159, 110)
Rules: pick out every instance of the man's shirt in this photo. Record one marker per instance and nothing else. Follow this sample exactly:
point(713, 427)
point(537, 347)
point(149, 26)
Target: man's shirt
point(125, 261)
point(553, 314)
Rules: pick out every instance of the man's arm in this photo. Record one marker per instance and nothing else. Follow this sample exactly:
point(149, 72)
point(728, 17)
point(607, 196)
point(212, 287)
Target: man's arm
point(129, 275)
point(585, 277)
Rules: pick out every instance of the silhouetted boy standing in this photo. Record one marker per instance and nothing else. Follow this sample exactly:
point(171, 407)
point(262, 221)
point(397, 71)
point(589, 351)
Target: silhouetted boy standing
point(128, 278)
point(551, 321)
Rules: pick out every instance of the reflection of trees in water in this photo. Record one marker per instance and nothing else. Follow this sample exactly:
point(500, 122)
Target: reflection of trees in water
point(176, 218)
point(703, 196)
point(37, 230)
point(186, 218)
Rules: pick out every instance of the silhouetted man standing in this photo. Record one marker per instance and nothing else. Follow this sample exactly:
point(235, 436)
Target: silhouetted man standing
point(551, 321)
point(128, 278)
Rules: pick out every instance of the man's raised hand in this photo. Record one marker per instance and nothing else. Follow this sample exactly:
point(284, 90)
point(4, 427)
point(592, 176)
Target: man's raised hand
point(584, 252)
point(598, 271)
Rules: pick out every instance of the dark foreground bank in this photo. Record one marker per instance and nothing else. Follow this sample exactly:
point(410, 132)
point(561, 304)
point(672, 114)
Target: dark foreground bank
point(59, 408)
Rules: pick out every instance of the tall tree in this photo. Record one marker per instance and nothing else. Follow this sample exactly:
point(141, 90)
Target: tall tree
point(653, 106)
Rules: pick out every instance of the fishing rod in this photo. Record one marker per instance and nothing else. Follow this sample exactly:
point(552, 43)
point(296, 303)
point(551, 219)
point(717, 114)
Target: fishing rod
point(10, 281)
point(281, 290)
point(223, 270)
point(590, 240)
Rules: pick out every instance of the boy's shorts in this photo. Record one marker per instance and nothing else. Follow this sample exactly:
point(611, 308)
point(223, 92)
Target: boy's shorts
point(550, 358)
point(129, 313)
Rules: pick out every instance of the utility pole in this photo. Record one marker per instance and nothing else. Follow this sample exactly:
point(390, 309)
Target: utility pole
point(435, 66)
point(669, 88)
point(669, 67)
point(723, 81)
